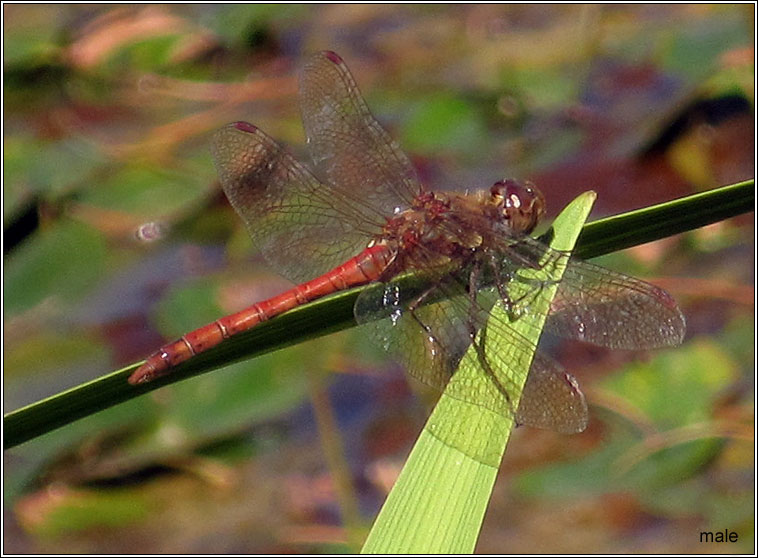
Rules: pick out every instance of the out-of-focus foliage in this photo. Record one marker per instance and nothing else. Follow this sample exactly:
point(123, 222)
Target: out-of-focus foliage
point(107, 115)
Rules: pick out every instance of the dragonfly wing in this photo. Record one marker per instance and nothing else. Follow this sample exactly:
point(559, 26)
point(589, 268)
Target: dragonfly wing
point(431, 328)
point(610, 309)
point(429, 341)
point(592, 304)
point(349, 147)
point(552, 399)
point(287, 211)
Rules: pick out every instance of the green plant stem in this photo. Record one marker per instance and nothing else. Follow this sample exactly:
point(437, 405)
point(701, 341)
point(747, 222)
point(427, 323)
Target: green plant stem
point(335, 313)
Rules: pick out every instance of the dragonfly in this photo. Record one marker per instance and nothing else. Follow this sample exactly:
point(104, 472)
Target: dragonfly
point(362, 217)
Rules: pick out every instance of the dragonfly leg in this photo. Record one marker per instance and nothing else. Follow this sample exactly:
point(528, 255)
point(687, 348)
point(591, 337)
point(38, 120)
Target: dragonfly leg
point(479, 344)
point(515, 306)
point(510, 304)
point(500, 286)
point(413, 306)
point(474, 307)
point(479, 341)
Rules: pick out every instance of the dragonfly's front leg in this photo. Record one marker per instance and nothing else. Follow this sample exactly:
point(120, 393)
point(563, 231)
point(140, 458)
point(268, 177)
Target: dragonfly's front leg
point(510, 304)
point(531, 287)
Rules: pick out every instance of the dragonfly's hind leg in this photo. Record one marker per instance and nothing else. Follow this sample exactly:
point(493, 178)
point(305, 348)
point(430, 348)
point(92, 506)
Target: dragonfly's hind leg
point(478, 337)
point(414, 306)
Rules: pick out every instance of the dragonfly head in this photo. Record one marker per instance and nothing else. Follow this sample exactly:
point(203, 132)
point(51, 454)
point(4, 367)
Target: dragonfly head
point(521, 205)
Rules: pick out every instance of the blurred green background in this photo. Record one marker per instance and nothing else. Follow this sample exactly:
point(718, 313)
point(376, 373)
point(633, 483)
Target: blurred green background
point(117, 237)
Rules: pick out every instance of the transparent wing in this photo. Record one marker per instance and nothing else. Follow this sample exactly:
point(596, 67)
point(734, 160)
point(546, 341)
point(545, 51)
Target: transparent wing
point(610, 309)
point(300, 225)
point(348, 146)
point(432, 327)
point(600, 306)
point(552, 399)
point(429, 328)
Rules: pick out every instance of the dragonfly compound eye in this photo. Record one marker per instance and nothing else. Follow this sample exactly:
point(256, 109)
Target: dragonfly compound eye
point(522, 205)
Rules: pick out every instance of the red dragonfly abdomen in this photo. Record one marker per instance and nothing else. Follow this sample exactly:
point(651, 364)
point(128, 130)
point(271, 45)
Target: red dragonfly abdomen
point(363, 268)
